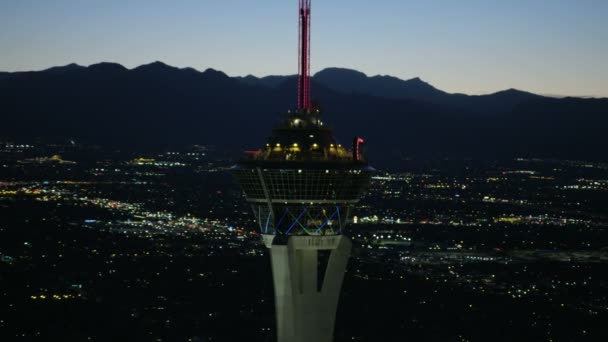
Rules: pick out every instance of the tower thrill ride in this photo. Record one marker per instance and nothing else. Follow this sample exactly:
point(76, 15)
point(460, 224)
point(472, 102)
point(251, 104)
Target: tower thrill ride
point(302, 185)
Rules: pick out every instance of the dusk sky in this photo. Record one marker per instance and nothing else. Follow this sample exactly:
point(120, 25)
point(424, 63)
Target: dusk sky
point(555, 47)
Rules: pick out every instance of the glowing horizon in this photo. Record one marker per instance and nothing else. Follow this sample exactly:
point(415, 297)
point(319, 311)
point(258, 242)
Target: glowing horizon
point(472, 47)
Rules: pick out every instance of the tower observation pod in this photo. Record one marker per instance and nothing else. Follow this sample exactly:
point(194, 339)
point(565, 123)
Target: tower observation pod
point(302, 185)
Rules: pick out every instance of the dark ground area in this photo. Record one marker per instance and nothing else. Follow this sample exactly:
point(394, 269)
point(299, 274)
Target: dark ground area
point(111, 251)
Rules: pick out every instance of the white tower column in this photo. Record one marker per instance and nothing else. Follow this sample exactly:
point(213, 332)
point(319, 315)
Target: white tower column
point(306, 306)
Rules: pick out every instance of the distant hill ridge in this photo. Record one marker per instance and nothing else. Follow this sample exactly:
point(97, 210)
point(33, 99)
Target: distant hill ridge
point(158, 105)
point(339, 79)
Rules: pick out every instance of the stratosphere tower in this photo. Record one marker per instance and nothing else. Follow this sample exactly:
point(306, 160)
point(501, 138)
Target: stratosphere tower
point(302, 185)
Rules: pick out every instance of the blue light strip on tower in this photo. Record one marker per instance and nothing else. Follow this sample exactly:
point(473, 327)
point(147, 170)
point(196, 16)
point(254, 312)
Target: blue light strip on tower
point(296, 221)
point(327, 221)
point(276, 227)
point(267, 222)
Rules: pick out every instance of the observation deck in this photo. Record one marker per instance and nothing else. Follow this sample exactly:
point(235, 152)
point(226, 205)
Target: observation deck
point(301, 136)
point(303, 182)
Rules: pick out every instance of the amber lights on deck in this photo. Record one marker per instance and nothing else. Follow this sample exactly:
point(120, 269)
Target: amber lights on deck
point(297, 151)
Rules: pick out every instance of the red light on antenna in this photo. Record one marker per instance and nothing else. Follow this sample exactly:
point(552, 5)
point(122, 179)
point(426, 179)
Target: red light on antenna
point(357, 148)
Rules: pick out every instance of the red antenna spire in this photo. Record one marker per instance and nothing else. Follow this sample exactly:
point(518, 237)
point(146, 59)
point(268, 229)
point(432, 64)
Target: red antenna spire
point(304, 102)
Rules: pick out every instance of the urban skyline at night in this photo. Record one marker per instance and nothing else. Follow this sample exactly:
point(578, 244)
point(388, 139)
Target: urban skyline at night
point(155, 185)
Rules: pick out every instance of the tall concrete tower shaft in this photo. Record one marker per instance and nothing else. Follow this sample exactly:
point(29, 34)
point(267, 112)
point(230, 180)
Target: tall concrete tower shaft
point(302, 186)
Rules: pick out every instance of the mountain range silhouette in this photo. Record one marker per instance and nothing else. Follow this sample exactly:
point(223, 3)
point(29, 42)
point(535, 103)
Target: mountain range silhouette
point(157, 105)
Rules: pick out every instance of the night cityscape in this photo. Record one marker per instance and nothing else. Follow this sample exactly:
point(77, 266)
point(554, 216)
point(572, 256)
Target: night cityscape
point(104, 245)
point(224, 196)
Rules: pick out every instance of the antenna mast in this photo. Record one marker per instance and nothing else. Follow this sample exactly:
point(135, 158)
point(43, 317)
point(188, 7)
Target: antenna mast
point(304, 102)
